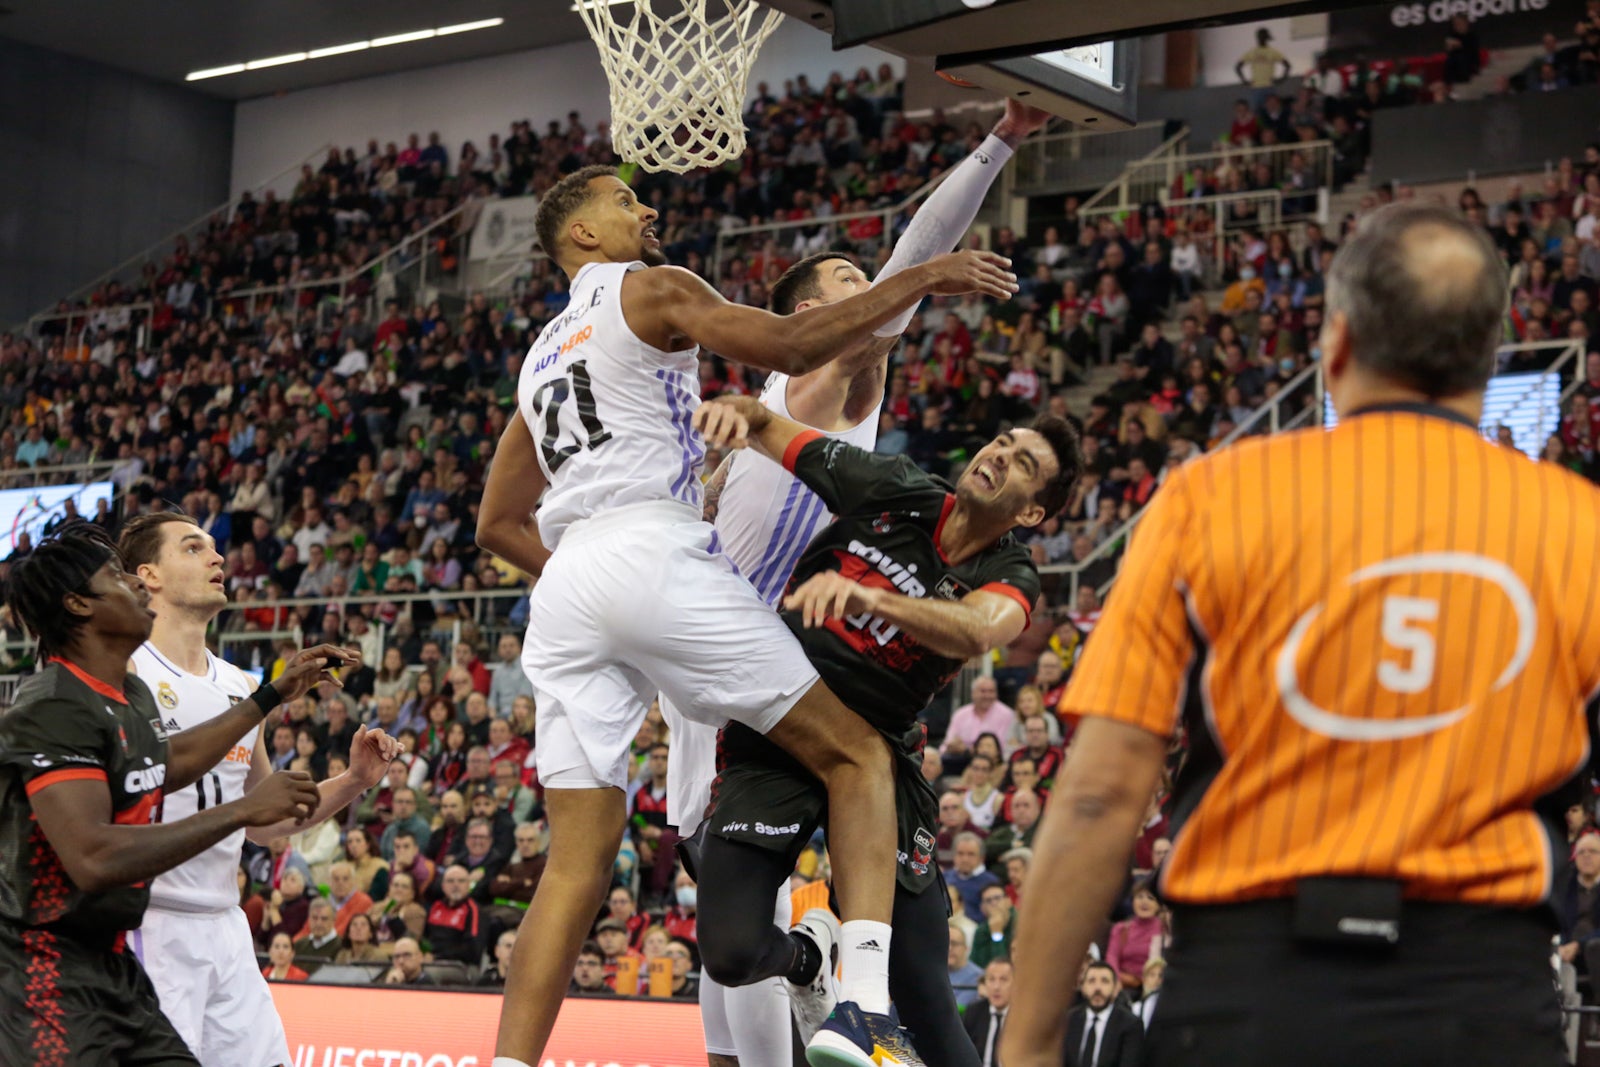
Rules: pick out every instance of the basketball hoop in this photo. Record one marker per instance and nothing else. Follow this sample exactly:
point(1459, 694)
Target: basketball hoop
point(678, 80)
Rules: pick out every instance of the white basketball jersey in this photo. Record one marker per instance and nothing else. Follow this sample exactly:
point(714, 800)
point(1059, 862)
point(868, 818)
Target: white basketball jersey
point(209, 881)
point(767, 516)
point(608, 413)
point(765, 519)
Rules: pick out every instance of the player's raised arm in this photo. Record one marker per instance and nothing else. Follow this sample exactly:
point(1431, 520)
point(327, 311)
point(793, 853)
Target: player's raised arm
point(370, 755)
point(195, 751)
point(688, 308)
point(505, 517)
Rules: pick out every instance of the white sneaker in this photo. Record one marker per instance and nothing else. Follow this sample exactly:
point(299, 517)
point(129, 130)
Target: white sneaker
point(814, 1001)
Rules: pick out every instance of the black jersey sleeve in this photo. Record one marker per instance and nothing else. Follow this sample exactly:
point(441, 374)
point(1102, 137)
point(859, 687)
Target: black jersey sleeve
point(56, 739)
point(1010, 571)
point(851, 480)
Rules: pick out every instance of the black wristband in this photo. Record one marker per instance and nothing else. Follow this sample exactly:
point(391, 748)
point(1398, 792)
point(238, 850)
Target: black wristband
point(266, 698)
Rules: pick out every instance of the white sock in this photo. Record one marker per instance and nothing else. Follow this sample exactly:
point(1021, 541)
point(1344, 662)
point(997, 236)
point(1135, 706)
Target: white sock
point(507, 1061)
point(864, 957)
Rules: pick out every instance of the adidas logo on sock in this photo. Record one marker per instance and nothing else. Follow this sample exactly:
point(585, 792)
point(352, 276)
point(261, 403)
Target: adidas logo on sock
point(872, 946)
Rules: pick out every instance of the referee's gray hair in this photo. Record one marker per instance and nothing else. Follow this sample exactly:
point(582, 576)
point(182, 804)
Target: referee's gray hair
point(1424, 293)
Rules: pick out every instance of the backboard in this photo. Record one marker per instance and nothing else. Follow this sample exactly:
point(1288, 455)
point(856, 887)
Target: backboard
point(1077, 58)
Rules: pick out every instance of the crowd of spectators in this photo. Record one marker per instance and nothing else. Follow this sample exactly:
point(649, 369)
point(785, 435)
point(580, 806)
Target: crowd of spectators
point(339, 455)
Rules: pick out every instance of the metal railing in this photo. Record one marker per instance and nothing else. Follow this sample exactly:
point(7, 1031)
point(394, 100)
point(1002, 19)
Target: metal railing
point(1125, 192)
point(1270, 417)
point(80, 325)
point(407, 263)
point(1083, 159)
point(1280, 415)
point(837, 226)
point(229, 631)
point(1153, 180)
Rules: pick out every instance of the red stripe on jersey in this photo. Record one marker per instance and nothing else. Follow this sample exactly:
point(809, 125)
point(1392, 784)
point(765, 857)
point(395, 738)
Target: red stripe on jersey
point(1011, 591)
point(141, 813)
point(944, 513)
point(792, 453)
point(108, 691)
point(66, 774)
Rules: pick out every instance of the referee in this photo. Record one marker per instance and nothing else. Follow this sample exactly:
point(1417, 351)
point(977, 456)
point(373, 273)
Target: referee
point(1380, 640)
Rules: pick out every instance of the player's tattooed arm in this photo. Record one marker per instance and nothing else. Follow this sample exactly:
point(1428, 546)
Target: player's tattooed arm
point(714, 486)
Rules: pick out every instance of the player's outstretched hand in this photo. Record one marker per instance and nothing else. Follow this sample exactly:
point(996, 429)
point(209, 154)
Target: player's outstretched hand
point(284, 795)
point(370, 755)
point(727, 421)
point(1019, 121)
point(829, 595)
point(972, 271)
point(308, 668)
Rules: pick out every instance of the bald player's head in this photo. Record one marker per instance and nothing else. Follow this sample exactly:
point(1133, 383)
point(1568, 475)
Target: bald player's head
point(1415, 298)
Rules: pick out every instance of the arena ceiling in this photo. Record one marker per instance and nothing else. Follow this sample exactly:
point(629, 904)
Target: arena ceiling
point(167, 39)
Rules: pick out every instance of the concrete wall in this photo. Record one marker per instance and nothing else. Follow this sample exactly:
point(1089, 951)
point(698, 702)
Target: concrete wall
point(468, 101)
point(99, 166)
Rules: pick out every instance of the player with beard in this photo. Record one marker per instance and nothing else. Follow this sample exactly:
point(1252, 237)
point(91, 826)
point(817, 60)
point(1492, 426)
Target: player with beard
point(195, 943)
point(908, 583)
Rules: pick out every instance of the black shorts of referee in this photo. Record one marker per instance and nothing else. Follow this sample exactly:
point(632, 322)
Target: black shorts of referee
point(1463, 985)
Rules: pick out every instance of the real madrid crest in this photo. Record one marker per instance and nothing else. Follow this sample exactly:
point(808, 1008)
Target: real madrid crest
point(166, 697)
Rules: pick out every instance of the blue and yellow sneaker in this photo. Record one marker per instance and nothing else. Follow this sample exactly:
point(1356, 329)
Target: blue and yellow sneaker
point(855, 1038)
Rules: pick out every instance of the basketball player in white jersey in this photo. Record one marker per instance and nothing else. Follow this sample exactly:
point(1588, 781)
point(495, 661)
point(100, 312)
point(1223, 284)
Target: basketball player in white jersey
point(764, 519)
point(633, 596)
point(195, 942)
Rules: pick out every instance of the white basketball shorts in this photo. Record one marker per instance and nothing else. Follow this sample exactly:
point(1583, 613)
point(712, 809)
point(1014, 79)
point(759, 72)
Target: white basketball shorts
point(635, 601)
point(203, 965)
point(691, 768)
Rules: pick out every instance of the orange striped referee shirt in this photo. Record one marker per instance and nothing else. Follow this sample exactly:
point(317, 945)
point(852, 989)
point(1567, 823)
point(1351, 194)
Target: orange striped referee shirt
point(1381, 639)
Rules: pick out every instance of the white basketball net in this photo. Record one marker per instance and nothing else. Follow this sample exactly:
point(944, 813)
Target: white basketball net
point(678, 80)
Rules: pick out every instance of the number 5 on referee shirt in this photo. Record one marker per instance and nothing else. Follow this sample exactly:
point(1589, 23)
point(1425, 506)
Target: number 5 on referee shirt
point(1401, 614)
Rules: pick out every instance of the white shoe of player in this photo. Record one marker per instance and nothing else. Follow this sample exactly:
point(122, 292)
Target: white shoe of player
point(814, 1001)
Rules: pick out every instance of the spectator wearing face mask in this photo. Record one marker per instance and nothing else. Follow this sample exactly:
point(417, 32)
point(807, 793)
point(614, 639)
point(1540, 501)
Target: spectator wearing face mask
point(681, 919)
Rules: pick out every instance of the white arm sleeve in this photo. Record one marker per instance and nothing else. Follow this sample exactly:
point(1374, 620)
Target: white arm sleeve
point(944, 217)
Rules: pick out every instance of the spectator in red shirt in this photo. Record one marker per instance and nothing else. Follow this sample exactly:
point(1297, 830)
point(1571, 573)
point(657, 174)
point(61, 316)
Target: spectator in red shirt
point(681, 920)
point(959, 336)
point(466, 657)
point(394, 325)
point(1156, 827)
point(455, 928)
point(1037, 748)
point(505, 746)
point(954, 820)
point(622, 908)
point(281, 954)
point(1050, 677)
point(1245, 128)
